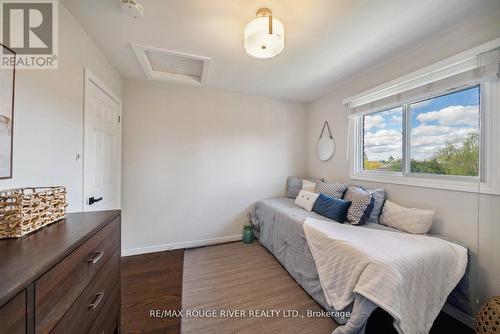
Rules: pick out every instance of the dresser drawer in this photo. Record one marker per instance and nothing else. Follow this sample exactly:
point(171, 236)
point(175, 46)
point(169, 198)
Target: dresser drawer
point(13, 315)
point(89, 304)
point(58, 289)
point(107, 320)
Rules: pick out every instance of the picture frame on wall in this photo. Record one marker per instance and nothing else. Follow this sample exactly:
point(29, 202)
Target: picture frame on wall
point(7, 88)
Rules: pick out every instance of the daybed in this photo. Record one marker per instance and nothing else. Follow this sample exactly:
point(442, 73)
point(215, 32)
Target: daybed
point(279, 226)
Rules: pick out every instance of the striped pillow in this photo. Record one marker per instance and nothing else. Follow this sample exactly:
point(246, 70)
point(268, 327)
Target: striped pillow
point(362, 203)
point(335, 190)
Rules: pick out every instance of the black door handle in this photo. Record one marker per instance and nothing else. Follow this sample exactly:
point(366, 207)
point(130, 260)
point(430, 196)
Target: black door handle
point(93, 200)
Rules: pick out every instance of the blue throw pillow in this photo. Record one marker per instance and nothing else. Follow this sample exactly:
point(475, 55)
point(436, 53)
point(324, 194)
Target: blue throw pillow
point(333, 208)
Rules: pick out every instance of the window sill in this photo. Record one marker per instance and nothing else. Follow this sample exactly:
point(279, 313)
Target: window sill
point(436, 182)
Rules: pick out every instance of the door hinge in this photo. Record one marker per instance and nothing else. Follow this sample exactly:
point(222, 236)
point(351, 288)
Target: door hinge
point(119, 118)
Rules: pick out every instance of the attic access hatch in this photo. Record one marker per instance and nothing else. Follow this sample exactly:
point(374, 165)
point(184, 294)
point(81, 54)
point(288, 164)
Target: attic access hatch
point(171, 66)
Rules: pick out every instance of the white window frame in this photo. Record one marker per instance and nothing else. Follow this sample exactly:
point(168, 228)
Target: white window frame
point(487, 182)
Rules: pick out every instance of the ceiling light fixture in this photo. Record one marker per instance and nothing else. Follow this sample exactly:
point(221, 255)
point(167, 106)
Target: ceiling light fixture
point(264, 35)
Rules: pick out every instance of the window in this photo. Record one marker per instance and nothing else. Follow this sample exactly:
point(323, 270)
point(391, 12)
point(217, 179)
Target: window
point(443, 136)
point(435, 142)
point(436, 127)
point(383, 140)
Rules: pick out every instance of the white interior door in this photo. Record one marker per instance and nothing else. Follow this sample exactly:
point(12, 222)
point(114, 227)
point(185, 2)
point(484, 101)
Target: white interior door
point(102, 147)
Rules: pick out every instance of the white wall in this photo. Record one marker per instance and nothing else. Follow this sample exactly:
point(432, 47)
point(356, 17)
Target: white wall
point(49, 112)
point(456, 212)
point(195, 160)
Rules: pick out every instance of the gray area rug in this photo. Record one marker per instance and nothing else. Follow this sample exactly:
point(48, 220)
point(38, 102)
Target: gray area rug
point(239, 288)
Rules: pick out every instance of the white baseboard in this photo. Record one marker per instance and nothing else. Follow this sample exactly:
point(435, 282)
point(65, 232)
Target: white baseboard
point(179, 245)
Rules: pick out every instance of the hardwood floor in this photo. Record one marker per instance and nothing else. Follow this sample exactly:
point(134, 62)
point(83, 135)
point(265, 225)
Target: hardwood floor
point(154, 281)
point(151, 282)
point(237, 276)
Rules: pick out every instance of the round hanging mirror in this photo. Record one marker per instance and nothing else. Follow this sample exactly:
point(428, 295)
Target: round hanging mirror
point(325, 148)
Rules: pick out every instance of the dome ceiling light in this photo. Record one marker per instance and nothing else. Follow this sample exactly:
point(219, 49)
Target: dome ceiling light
point(264, 35)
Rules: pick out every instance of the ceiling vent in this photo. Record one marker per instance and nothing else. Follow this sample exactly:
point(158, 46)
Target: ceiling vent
point(171, 66)
point(132, 8)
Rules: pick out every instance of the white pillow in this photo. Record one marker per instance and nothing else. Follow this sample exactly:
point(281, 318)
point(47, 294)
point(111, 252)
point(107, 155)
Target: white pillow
point(306, 199)
point(411, 220)
point(308, 186)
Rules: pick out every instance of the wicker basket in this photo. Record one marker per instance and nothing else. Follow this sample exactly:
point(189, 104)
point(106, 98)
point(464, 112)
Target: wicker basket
point(488, 317)
point(25, 210)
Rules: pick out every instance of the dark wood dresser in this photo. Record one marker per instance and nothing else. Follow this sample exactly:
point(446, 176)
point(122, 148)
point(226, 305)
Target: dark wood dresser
point(64, 278)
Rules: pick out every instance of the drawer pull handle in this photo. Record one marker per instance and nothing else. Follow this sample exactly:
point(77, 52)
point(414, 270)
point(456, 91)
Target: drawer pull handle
point(97, 300)
point(96, 257)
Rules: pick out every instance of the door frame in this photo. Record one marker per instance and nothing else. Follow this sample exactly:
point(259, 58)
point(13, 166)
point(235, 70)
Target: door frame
point(90, 78)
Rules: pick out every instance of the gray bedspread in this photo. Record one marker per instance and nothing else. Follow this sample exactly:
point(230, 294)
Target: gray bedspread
point(278, 224)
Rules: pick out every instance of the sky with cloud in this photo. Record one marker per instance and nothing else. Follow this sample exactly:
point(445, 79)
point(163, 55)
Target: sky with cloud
point(434, 123)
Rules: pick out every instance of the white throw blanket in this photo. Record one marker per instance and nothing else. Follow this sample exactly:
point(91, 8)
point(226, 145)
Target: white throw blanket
point(409, 276)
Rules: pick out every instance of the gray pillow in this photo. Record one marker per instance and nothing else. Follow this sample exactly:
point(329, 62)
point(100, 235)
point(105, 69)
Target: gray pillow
point(379, 200)
point(294, 185)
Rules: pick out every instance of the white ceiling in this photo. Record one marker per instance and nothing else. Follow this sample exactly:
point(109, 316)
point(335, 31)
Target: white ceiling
point(327, 41)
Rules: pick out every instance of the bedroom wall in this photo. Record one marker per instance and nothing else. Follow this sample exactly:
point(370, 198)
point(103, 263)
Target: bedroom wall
point(456, 212)
point(49, 112)
point(195, 160)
